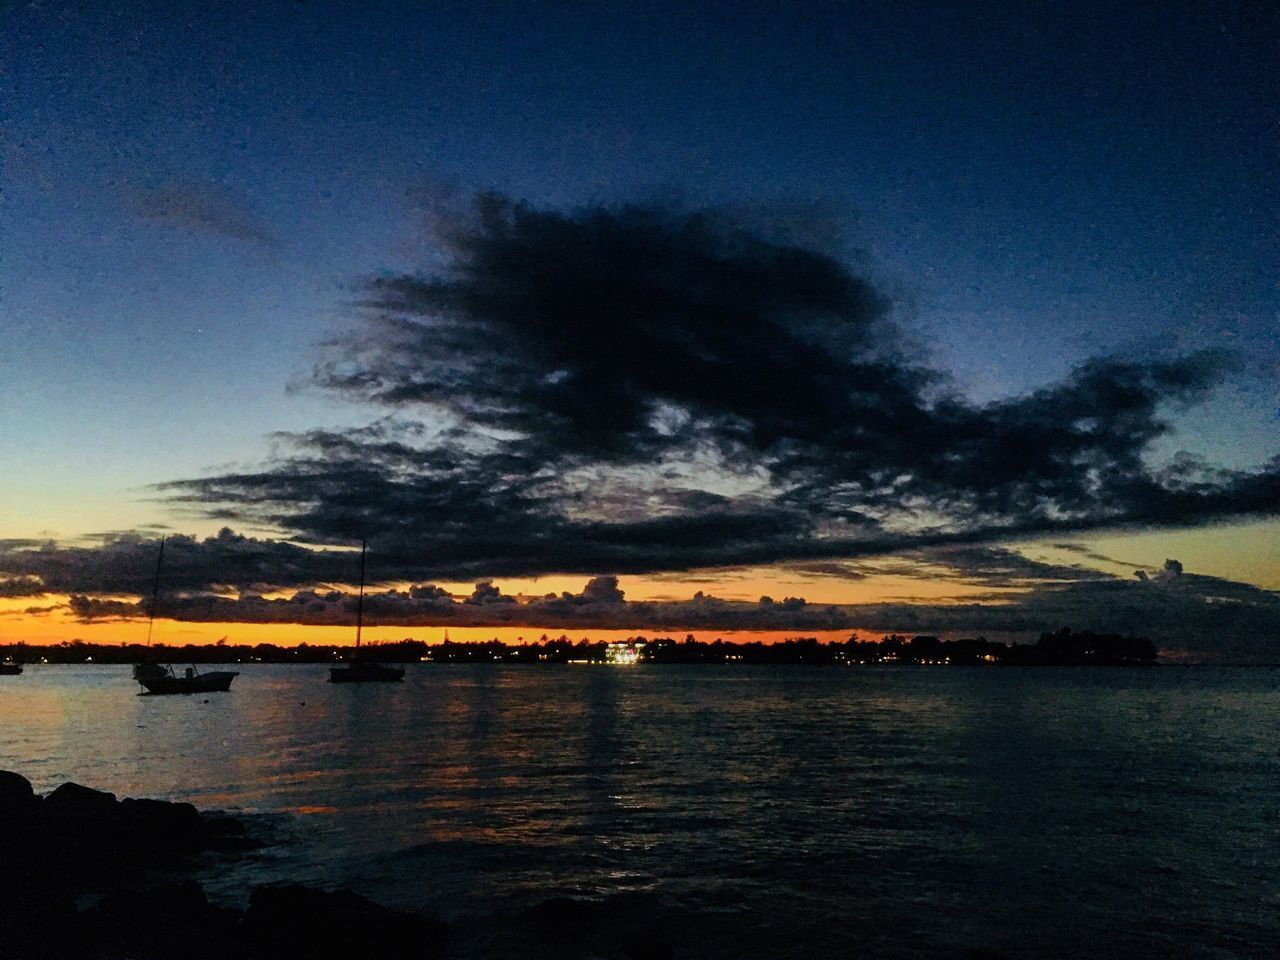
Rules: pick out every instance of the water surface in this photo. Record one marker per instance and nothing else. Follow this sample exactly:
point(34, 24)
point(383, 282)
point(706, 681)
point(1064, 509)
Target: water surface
point(748, 812)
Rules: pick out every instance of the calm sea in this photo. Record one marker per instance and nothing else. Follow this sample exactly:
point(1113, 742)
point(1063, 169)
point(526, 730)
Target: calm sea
point(744, 812)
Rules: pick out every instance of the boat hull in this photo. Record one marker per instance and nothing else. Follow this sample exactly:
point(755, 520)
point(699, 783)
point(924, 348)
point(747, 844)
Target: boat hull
point(10, 669)
point(217, 682)
point(366, 673)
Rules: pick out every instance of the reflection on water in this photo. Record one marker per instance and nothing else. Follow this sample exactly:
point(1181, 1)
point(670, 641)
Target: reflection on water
point(765, 812)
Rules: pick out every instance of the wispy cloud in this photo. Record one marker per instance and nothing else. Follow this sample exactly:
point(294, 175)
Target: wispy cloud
point(202, 207)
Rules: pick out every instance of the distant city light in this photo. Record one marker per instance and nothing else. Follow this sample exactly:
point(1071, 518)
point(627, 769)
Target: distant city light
point(622, 654)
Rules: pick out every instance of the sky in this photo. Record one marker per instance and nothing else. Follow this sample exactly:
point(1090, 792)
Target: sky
point(944, 318)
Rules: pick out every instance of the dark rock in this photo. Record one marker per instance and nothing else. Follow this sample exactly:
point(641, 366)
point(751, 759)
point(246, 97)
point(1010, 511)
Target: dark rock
point(293, 921)
point(158, 922)
point(184, 898)
point(621, 927)
point(167, 813)
point(79, 842)
point(34, 912)
point(563, 916)
point(15, 792)
point(226, 834)
point(73, 800)
point(177, 827)
point(647, 946)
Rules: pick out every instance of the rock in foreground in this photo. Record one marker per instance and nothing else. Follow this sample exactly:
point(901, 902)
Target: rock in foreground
point(296, 921)
point(126, 858)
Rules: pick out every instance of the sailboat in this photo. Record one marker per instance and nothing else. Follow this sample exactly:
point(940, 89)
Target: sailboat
point(158, 678)
point(363, 671)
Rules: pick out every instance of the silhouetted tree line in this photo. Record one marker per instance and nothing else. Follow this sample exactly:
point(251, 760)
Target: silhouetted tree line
point(79, 651)
point(1063, 647)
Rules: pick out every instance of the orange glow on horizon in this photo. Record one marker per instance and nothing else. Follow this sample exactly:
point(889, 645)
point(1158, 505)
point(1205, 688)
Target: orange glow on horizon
point(175, 634)
point(54, 623)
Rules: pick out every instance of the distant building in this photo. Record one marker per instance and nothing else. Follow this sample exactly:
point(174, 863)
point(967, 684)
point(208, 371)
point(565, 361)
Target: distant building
point(623, 654)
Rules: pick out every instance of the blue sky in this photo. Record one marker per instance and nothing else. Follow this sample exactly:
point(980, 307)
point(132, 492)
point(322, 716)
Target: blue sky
point(193, 197)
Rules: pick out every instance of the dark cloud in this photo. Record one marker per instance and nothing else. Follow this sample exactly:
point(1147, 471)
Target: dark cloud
point(642, 388)
point(836, 569)
point(1090, 554)
point(21, 586)
point(618, 334)
point(603, 590)
point(994, 566)
point(126, 564)
point(1171, 571)
point(444, 512)
point(88, 609)
point(1188, 615)
point(203, 207)
point(486, 594)
point(600, 605)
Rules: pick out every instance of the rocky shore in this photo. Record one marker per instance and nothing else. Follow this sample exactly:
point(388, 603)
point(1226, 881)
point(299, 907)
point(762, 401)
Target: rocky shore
point(87, 876)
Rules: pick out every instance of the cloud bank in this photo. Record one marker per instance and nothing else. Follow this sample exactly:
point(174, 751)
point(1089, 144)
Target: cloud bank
point(641, 388)
point(1187, 614)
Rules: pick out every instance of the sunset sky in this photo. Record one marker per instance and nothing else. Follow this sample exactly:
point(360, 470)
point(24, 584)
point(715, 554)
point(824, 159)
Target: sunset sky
point(620, 318)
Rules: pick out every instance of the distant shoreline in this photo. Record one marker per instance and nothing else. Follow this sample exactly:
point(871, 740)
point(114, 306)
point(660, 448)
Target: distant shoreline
point(176, 655)
point(1061, 648)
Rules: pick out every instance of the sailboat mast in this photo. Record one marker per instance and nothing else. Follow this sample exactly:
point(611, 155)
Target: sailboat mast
point(155, 592)
point(364, 545)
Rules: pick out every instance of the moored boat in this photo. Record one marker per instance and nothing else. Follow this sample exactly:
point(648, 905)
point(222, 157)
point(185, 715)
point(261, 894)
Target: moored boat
point(360, 671)
point(159, 678)
point(363, 671)
point(9, 667)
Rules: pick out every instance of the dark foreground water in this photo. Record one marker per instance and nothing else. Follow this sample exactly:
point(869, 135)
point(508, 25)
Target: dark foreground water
point(746, 812)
